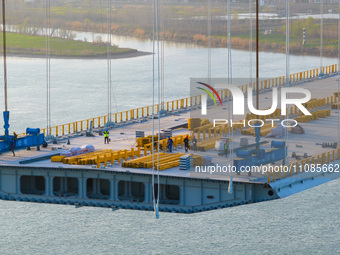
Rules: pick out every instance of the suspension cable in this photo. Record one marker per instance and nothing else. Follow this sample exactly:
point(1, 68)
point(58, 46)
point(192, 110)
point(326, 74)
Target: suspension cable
point(159, 117)
point(209, 40)
point(251, 48)
point(4, 51)
point(229, 43)
point(250, 43)
point(109, 77)
point(339, 77)
point(162, 32)
point(287, 42)
point(321, 37)
point(287, 83)
point(155, 205)
point(48, 67)
point(230, 81)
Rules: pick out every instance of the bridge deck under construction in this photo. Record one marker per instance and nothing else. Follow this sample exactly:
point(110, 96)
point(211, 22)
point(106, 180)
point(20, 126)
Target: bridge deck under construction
point(123, 137)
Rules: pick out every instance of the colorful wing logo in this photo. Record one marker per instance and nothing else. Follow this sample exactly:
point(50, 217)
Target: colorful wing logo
point(209, 93)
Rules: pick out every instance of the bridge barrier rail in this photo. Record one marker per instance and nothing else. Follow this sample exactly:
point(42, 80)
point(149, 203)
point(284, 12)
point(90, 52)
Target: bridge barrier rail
point(316, 164)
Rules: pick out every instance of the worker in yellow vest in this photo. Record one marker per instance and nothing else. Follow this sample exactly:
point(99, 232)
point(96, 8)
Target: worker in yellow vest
point(106, 137)
point(226, 148)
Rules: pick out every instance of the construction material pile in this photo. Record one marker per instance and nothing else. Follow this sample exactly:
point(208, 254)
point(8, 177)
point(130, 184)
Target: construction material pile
point(185, 162)
point(97, 157)
point(193, 123)
point(166, 161)
point(314, 116)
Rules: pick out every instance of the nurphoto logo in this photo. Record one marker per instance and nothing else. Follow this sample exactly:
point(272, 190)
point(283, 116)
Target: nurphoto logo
point(238, 99)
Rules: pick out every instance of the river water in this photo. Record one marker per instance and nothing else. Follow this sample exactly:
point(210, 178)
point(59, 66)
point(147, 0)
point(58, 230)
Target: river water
point(305, 223)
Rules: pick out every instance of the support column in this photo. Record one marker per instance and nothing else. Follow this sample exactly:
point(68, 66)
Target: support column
point(182, 194)
point(112, 188)
point(17, 188)
point(82, 187)
point(127, 188)
point(115, 194)
point(50, 190)
point(148, 192)
point(47, 185)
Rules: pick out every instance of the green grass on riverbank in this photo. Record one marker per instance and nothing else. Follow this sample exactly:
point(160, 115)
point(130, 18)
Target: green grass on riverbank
point(277, 43)
point(21, 44)
point(281, 40)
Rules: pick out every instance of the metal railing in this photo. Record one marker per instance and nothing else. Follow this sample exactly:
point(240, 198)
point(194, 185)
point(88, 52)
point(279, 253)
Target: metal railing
point(316, 164)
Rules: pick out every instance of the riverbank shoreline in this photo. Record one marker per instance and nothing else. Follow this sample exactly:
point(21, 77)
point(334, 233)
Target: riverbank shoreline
point(79, 49)
point(34, 46)
point(129, 54)
point(239, 43)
